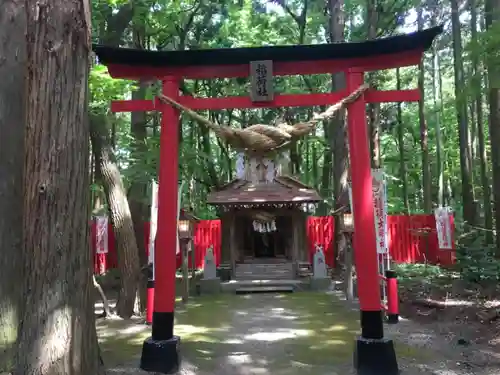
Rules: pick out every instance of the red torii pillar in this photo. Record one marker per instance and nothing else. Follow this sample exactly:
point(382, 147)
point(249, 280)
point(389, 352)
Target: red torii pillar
point(373, 353)
point(160, 352)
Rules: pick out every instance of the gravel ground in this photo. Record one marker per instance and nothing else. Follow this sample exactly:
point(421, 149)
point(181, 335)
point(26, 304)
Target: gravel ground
point(260, 328)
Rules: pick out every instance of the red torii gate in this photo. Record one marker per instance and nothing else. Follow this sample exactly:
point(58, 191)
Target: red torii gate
point(373, 353)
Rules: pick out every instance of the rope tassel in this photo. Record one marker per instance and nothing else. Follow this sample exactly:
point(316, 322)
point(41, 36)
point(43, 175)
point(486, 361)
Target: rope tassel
point(264, 139)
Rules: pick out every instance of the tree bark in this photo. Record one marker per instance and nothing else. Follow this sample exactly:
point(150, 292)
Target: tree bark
point(478, 103)
point(57, 334)
point(138, 192)
point(424, 140)
point(463, 128)
point(492, 16)
point(373, 109)
point(12, 125)
point(437, 116)
point(123, 226)
point(401, 144)
point(338, 136)
point(105, 302)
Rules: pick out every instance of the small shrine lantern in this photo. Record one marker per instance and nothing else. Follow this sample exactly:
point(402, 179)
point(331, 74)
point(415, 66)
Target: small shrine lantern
point(346, 222)
point(186, 225)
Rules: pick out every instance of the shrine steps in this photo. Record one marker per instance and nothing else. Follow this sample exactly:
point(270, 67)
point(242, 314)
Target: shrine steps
point(264, 271)
point(265, 289)
point(262, 286)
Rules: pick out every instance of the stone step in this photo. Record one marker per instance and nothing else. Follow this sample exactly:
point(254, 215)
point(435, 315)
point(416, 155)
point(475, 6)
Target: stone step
point(265, 289)
point(265, 266)
point(263, 272)
point(281, 284)
point(260, 277)
point(263, 269)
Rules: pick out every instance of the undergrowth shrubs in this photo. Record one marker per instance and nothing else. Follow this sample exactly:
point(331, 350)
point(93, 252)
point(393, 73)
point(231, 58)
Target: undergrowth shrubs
point(478, 264)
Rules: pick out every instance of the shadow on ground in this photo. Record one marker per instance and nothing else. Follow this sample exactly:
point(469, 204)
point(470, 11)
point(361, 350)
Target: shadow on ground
point(253, 333)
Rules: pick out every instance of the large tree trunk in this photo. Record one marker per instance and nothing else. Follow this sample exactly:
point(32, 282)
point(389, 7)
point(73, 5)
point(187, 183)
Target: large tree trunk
point(338, 134)
point(57, 334)
point(424, 140)
point(401, 144)
point(138, 191)
point(126, 244)
point(437, 116)
point(492, 14)
point(478, 102)
point(12, 125)
point(373, 109)
point(469, 210)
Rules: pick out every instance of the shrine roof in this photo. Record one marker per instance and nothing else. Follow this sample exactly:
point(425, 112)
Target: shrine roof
point(284, 189)
point(420, 40)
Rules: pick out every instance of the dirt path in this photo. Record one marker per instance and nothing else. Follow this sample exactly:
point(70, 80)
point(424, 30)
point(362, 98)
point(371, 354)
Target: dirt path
point(291, 334)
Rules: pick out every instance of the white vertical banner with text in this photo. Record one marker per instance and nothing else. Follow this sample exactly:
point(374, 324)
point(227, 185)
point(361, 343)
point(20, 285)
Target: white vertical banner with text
point(153, 225)
point(179, 203)
point(443, 227)
point(380, 209)
point(101, 238)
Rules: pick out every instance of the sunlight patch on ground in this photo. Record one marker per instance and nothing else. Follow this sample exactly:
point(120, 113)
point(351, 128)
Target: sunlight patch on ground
point(492, 304)
point(133, 329)
point(282, 334)
point(335, 328)
point(233, 341)
point(239, 359)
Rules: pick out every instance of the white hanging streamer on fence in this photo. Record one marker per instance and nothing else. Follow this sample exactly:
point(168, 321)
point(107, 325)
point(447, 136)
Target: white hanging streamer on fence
point(179, 202)
point(153, 224)
point(443, 227)
point(101, 245)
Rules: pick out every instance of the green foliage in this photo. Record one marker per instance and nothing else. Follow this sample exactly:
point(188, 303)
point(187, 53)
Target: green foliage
point(478, 264)
point(205, 163)
point(424, 272)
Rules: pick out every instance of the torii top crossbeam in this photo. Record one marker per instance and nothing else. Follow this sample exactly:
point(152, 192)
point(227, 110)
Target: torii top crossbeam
point(378, 54)
point(160, 352)
point(387, 53)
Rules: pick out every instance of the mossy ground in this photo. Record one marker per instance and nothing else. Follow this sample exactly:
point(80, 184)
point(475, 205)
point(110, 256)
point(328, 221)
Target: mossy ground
point(318, 330)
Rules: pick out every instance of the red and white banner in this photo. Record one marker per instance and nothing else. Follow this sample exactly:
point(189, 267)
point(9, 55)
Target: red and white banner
point(380, 209)
point(101, 240)
point(443, 227)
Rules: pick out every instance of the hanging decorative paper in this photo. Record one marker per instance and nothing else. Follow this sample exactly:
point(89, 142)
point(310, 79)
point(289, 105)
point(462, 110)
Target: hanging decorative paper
point(443, 227)
point(264, 227)
point(101, 245)
point(240, 166)
point(380, 209)
point(273, 225)
point(153, 225)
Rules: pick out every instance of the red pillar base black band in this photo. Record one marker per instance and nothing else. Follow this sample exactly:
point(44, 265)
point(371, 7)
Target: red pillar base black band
point(375, 357)
point(163, 325)
point(372, 325)
point(161, 352)
point(161, 356)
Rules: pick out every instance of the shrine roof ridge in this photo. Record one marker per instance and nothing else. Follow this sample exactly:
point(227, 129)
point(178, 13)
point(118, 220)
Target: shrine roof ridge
point(419, 40)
